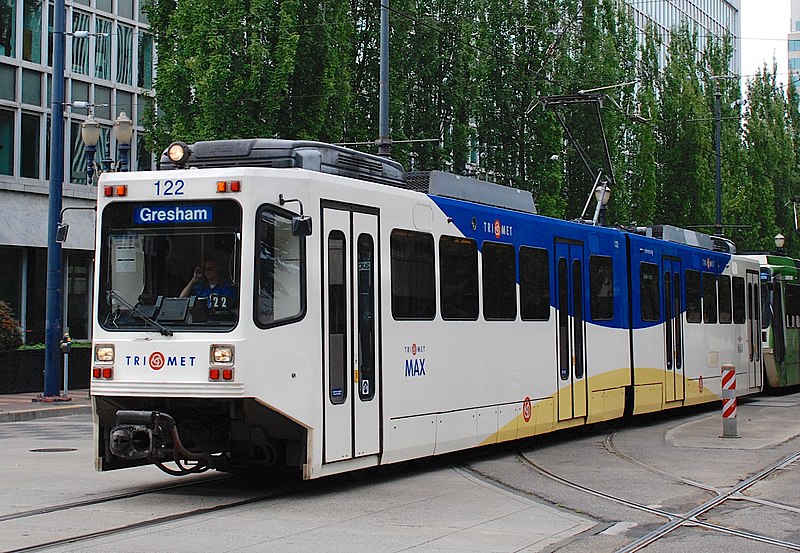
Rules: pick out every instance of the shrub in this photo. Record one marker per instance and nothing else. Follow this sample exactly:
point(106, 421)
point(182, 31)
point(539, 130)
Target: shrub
point(10, 332)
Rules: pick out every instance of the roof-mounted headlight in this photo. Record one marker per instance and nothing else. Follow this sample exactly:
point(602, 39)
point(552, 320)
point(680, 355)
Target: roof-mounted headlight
point(178, 153)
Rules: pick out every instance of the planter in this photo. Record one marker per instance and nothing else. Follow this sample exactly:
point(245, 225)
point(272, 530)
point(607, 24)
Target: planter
point(22, 371)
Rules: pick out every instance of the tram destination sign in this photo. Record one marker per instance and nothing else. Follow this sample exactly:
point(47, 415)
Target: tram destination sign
point(172, 213)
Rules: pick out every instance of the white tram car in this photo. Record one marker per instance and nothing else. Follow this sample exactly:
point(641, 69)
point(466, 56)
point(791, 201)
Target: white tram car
point(369, 316)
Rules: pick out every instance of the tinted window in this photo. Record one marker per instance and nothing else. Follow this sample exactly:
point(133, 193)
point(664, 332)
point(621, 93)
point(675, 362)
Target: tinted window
point(725, 312)
point(413, 278)
point(534, 284)
point(709, 298)
point(738, 301)
point(280, 293)
point(601, 282)
point(499, 281)
point(693, 304)
point(458, 284)
point(650, 297)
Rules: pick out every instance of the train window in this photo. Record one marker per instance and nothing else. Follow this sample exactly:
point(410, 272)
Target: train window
point(499, 281)
point(337, 318)
point(709, 298)
point(458, 280)
point(366, 317)
point(693, 304)
point(601, 288)
point(280, 270)
point(563, 320)
point(534, 284)
point(792, 301)
point(413, 275)
point(738, 301)
point(649, 291)
point(725, 311)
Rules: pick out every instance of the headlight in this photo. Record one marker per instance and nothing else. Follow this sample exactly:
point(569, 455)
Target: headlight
point(178, 153)
point(104, 353)
point(222, 354)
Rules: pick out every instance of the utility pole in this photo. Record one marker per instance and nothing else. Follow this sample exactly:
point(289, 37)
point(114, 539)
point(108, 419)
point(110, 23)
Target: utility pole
point(53, 324)
point(384, 142)
point(717, 95)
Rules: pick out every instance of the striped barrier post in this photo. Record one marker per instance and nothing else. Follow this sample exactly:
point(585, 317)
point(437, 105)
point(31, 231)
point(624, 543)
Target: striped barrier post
point(729, 402)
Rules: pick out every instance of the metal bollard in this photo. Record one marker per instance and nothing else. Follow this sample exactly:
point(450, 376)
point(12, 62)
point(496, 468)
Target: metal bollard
point(729, 402)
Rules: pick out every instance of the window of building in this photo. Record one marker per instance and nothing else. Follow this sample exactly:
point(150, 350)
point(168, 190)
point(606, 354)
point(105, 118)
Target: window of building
point(725, 307)
point(124, 103)
point(29, 146)
point(739, 314)
point(794, 45)
point(534, 284)
point(413, 275)
point(105, 5)
point(649, 292)
point(6, 142)
point(693, 304)
point(50, 18)
point(144, 161)
point(499, 266)
point(125, 8)
point(8, 28)
point(80, 46)
point(80, 91)
point(458, 282)
point(32, 31)
point(11, 280)
point(709, 298)
point(102, 49)
point(79, 300)
point(601, 287)
point(102, 102)
point(8, 82)
point(31, 87)
point(125, 54)
point(142, 14)
point(145, 73)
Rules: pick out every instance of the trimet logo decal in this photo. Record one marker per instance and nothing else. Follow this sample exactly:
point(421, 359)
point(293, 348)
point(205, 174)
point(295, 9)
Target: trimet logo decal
point(156, 360)
point(498, 229)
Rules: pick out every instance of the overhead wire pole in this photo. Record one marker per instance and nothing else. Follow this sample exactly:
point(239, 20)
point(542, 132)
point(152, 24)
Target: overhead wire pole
point(384, 141)
point(53, 311)
point(717, 115)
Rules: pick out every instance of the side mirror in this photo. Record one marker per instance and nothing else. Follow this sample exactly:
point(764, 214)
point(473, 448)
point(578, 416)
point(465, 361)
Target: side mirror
point(301, 226)
point(61, 232)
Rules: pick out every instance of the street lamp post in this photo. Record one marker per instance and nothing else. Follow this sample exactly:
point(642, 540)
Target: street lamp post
point(53, 308)
point(90, 133)
point(780, 240)
point(123, 132)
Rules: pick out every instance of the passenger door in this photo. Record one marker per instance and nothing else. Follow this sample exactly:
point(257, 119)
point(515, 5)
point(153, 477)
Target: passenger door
point(351, 333)
point(570, 341)
point(754, 367)
point(673, 329)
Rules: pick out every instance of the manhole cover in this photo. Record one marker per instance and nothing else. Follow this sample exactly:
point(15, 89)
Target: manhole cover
point(53, 449)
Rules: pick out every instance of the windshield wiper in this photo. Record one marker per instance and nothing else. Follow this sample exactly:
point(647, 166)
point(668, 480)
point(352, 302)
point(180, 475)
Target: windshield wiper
point(135, 311)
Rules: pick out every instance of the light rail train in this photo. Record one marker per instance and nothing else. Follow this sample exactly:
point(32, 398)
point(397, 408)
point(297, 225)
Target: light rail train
point(366, 316)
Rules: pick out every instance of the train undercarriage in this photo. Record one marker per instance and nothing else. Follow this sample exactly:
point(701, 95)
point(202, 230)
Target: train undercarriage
point(187, 436)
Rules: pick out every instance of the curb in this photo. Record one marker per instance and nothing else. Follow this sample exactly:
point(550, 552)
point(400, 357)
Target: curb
point(34, 414)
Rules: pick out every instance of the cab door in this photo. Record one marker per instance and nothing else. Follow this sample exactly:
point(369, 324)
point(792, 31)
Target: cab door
point(351, 363)
point(570, 330)
point(672, 284)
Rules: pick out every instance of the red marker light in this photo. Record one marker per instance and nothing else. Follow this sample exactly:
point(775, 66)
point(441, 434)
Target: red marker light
point(236, 186)
point(213, 374)
point(108, 373)
point(108, 191)
point(227, 374)
point(96, 372)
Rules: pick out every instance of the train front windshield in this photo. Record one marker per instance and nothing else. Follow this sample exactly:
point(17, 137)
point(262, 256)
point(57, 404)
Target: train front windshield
point(168, 267)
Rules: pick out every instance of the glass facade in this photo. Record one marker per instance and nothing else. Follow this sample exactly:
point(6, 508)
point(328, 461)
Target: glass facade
point(108, 69)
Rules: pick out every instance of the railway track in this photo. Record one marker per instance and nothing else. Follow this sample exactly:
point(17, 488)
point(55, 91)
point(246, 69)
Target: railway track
point(83, 514)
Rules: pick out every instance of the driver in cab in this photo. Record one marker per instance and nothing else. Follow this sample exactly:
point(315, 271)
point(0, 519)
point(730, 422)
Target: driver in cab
point(206, 283)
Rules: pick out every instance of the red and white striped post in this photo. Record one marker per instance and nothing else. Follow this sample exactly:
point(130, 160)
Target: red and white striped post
point(729, 402)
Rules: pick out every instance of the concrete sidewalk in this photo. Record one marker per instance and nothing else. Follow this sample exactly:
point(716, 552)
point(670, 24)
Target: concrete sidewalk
point(30, 406)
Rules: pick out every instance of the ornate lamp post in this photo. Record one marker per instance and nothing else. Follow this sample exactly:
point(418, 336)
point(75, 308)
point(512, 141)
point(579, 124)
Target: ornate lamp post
point(90, 133)
point(123, 132)
point(780, 240)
